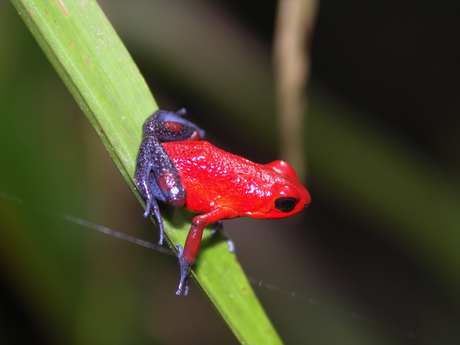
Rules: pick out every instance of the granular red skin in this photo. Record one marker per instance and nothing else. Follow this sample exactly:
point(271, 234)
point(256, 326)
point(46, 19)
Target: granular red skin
point(215, 179)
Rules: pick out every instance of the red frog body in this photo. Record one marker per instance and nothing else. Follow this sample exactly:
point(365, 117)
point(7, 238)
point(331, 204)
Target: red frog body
point(217, 180)
point(176, 167)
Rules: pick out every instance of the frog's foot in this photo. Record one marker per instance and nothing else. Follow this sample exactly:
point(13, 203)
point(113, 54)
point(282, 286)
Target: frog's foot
point(151, 204)
point(220, 227)
point(181, 112)
point(148, 206)
point(184, 272)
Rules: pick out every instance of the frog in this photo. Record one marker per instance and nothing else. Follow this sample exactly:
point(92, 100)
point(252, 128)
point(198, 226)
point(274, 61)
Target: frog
point(176, 166)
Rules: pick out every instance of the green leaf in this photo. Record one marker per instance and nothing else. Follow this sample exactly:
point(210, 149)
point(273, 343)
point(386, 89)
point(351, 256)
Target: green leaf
point(99, 72)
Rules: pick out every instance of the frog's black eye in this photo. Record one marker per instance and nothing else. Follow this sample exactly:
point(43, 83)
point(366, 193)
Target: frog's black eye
point(285, 204)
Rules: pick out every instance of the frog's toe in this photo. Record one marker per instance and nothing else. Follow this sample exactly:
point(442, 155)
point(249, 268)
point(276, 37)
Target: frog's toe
point(148, 206)
point(184, 272)
point(220, 227)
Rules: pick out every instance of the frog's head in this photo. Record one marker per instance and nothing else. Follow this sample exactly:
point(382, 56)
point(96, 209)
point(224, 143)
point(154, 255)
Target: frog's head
point(289, 196)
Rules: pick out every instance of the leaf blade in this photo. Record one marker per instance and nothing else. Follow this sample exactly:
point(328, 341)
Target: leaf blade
point(99, 72)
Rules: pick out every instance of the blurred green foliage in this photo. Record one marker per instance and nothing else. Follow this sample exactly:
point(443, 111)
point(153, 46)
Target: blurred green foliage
point(66, 284)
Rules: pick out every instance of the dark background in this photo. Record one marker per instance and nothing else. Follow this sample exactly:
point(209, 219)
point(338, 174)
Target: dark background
point(375, 257)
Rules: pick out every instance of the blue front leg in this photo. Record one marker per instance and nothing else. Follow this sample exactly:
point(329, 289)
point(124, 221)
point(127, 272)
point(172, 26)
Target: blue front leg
point(156, 176)
point(157, 179)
